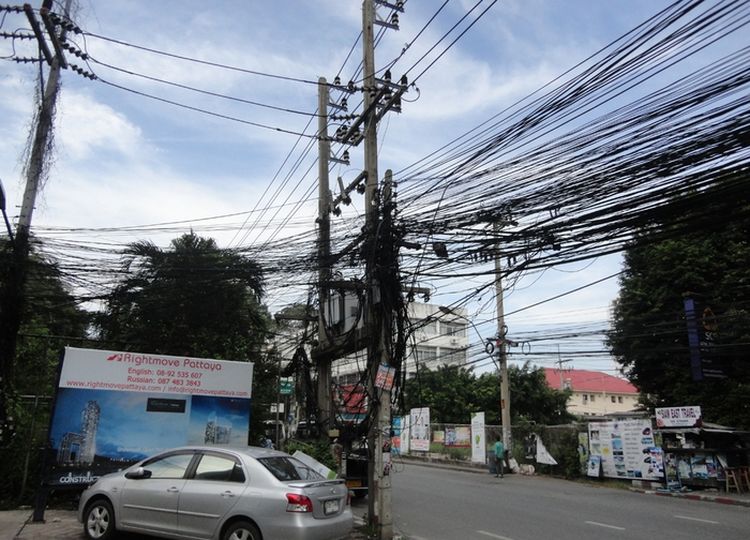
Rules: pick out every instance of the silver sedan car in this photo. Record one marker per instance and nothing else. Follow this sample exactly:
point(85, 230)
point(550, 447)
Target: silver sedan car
point(217, 493)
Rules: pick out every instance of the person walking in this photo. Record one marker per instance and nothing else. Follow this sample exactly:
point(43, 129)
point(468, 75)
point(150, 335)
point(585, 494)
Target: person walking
point(499, 458)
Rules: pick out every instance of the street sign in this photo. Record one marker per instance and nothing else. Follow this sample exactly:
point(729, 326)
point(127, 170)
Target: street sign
point(285, 386)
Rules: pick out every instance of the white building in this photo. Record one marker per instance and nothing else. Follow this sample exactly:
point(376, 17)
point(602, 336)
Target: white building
point(438, 339)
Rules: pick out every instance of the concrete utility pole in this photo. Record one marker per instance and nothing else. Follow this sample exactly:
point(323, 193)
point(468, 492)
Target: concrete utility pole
point(11, 297)
point(324, 252)
point(502, 348)
point(379, 496)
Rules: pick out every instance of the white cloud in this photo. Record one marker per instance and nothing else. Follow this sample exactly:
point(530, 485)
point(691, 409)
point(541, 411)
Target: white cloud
point(87, 128)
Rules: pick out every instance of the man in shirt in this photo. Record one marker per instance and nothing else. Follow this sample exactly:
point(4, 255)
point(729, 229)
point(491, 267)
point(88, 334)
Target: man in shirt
point(499, 458)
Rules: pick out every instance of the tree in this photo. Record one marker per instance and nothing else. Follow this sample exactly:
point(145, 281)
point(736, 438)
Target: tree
point(453, 393)
point(193, 299)
point(197, 300)
point(50, 319)
point(447, 391)
point(711, 261)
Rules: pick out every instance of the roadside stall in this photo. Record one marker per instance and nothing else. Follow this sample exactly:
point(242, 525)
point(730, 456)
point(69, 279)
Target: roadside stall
point(698, 454)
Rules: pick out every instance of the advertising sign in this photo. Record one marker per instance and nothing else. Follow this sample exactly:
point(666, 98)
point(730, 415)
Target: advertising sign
point(385, 377)
point(420, 429)
point(397, 434)
point(478, 442)
point(459, 436)
point(667, 417)
point(626, 449)
point(115, 408)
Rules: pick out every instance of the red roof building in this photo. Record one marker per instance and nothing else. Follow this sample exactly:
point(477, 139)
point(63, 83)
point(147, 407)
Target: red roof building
point(594, 393)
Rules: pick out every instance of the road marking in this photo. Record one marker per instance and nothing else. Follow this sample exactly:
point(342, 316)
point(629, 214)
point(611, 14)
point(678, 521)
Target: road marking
point(491, 535)
point(605, 525)
point(698, 519)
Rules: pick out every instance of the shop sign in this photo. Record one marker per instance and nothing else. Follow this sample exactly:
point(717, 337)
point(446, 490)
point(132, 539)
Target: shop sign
point(667, 417)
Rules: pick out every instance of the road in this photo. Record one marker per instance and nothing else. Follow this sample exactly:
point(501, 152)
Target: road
point(439, 504)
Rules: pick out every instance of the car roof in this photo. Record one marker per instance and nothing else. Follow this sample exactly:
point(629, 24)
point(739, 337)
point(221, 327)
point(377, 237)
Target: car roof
point(252, 451)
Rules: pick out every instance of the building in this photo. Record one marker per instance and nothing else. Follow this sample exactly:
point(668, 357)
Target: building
point(80, 448)
point(594, 393)
point(439, 339)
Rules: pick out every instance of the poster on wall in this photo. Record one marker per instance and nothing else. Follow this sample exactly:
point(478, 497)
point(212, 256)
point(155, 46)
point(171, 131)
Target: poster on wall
point(420, 430)
point(478, 441)
point(405, 434)
point(115, 408)
point(459, 436)
point(626, 449)
point(583, 451)
point(396, 437)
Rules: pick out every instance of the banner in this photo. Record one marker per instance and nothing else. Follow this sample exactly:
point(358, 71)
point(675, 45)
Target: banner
point(667, 417)
point(115, 408)
point(478, 441)
point(458, 436)
point(420, 430)
point(626, 449)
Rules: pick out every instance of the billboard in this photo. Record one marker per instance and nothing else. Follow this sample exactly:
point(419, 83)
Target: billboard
point(478, 443)
point(115, 408)
point(626, 449)
point(419, 429)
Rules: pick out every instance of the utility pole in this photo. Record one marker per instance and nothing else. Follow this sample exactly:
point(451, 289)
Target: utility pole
point(324, 252)
point(502, 348)
point(379, 496)
point(11, 297)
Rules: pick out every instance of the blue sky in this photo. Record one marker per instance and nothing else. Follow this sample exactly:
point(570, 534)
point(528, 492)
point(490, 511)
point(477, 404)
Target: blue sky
point(124, 160)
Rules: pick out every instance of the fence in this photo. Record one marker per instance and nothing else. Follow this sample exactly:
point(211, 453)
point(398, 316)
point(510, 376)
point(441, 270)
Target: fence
point(452, 442)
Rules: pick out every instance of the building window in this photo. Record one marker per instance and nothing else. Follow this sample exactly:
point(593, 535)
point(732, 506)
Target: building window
point(452, 357)
point(613, 399)
point(430, 328)
point(592, 397)
point(452, 329)
point(585, 398)
point(619, 399)
point(426, 354)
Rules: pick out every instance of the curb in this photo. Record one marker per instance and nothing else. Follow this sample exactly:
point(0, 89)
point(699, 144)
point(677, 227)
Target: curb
point(695, 497)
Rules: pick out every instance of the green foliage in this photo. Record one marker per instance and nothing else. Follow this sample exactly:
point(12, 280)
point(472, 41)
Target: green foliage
point(649, 338)
point(193, 300)
point(320, 450)
point(198, 300)
point(50, 319)
point(448, 391)
point(453, 393)
point(533, 400)
point(560, 441)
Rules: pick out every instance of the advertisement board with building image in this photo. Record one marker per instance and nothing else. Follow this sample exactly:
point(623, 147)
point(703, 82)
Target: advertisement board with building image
point(113, 409)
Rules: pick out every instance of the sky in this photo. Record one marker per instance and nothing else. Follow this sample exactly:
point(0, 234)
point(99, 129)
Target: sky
point(124, 160)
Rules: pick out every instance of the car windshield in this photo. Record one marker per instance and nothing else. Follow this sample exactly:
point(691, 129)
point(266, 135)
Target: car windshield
point(288, 469)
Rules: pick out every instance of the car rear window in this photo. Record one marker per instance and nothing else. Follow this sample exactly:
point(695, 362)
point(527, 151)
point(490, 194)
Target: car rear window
point(289, 469)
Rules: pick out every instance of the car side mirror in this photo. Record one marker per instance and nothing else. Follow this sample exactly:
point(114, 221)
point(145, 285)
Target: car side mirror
point(138, 474)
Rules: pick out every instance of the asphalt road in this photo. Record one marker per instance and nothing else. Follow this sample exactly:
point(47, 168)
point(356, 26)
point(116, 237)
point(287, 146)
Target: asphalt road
point(438, 504)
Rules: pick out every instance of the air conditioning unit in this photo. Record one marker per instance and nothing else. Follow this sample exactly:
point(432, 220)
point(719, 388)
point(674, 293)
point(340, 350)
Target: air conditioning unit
point(454, 341)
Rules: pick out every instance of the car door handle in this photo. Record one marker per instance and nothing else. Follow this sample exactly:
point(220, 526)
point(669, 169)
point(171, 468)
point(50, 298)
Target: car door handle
point(227, 494)
point(173, 490)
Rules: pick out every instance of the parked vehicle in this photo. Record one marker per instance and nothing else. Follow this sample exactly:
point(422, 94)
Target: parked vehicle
point(220, 494)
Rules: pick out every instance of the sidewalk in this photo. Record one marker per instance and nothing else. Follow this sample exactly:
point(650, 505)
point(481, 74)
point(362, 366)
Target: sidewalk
point(60, 525)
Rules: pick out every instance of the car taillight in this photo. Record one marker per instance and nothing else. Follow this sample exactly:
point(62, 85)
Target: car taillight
point(298, 503)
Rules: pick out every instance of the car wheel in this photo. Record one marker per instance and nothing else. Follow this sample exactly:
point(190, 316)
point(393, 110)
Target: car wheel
point(242, 530)
point(99, 520)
